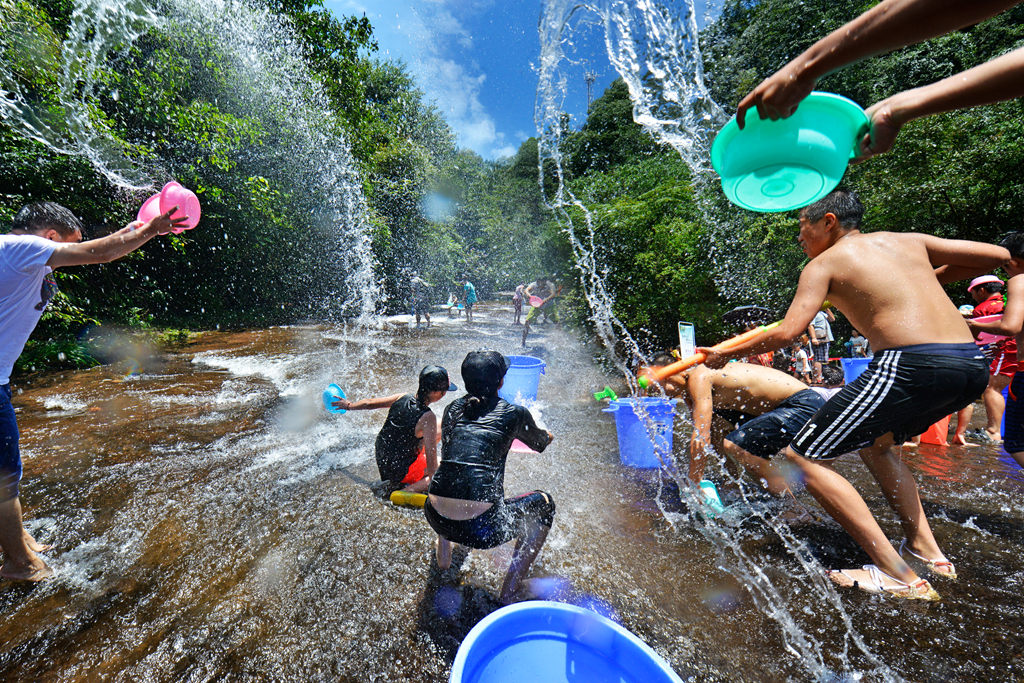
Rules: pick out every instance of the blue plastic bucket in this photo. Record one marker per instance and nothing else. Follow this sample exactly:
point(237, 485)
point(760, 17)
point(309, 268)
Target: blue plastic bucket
point(852, 367)
point(522, 379)
point(331, 393)
point(636, 449)
point(551, 642)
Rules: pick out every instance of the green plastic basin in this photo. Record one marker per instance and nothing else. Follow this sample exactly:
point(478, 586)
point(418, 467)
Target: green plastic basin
point(790, 163)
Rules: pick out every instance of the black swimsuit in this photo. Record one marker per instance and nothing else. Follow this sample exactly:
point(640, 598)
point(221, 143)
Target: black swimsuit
point(397, 444)
point(472, 467)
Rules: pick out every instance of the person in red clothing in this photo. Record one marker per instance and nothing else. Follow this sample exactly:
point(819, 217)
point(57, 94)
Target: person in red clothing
point(987, 292)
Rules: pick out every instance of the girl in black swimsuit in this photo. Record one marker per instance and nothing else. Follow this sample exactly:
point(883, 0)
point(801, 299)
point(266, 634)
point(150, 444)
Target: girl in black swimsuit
point(466, 502)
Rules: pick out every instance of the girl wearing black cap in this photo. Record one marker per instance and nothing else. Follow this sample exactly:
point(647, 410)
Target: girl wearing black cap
point(406, 446)
point(466, 500)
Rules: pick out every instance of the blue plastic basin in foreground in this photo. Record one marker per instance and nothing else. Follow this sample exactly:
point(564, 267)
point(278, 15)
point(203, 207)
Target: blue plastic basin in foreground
point(552, 642)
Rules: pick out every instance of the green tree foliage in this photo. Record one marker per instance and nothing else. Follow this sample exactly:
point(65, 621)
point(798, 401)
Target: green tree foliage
point(649, 236)
point(174, 100)
point(609, 137)
point(499, 233)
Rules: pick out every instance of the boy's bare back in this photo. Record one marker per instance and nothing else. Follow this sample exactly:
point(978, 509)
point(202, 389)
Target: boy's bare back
point(748, 388)
point(885, 284)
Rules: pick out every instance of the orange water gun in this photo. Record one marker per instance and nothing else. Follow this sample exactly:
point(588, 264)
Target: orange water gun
point(649, 375)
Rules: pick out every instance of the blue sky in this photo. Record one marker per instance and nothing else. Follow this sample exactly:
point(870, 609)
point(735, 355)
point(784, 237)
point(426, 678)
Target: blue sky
point(477, 59)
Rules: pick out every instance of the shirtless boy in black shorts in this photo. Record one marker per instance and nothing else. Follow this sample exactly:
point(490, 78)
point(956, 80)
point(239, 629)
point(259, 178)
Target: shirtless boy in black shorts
point(766, 407)
point(926, 366)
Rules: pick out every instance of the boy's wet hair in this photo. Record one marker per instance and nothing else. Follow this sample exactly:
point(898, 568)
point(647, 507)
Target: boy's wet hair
point(38, 216)
point(832, 376)
point(662, 359)
point(1014, 243)
point(843, 204)
point(992, 287)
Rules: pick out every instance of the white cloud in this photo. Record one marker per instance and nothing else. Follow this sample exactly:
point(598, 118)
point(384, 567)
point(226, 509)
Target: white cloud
point(508, 151)
point(422, 36)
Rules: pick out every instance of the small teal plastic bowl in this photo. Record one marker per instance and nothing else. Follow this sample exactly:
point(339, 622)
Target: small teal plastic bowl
point(787, 164)
point(331, 393)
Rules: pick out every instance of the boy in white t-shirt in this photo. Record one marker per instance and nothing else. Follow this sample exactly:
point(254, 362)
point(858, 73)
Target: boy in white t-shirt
point(44, 236)
point(801, 363)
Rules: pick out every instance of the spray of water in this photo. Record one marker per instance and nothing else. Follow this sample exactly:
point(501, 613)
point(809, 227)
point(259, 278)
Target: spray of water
point(269, 85)
point(654, 47)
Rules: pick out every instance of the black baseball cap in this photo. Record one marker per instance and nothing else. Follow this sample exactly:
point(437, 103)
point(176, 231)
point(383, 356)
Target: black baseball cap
point(482, 371)
point(435, 378)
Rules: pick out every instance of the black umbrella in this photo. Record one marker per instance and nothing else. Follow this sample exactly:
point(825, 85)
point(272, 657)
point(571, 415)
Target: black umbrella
point(745, 315)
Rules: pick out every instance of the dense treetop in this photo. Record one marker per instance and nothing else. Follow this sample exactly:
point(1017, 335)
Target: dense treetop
point(668, 244)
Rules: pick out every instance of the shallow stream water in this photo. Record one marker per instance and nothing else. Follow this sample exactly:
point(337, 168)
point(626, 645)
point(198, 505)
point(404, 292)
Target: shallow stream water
point(212, 522)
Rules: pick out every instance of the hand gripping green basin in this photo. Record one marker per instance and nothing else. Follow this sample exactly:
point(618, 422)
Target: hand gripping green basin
point(790, 163)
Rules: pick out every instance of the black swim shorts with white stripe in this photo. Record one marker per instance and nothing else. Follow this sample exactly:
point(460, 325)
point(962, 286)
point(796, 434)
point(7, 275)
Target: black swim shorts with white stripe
point(903, 391)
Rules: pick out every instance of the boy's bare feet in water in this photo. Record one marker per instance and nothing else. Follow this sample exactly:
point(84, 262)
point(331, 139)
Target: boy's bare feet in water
point(959, 440)
point(34, 545)
point(37, 570)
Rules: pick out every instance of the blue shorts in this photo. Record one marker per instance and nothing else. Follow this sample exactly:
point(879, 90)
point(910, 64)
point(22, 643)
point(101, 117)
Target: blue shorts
point(10, 456)
point(903, 391)
point(502, 522)
point(765, 435)
point(1013, 437)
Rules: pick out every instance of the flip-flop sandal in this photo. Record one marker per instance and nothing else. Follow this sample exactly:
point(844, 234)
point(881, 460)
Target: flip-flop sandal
point(932, 565)
point(984, 437)
point(919, 590)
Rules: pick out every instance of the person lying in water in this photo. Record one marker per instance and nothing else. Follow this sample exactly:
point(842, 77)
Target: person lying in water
point(466, 501)
point(768, 407)
point(406, 447)
point(926, 366)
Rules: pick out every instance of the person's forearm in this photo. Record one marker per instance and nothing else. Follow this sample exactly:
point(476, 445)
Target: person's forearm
point(998, 328)
point(773, 340)
point(104, 249)
point(890, 25)
point(431, 456)
point(374, 403)
point(995, 81)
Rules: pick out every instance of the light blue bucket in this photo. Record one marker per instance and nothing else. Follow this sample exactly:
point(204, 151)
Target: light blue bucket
point(552, 642)
point(522, 379)
point(853, 367)
point(636, 449)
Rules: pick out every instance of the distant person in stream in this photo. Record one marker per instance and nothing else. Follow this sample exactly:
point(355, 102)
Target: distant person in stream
point(420, 297)
point(987, 292)
point(517, 304)
point(545, 289)
point(44, 236)
point(406, 446)
point(469, 297)
point(466, 502)
point(926, 366)
point(820, 332)
point(889, 25)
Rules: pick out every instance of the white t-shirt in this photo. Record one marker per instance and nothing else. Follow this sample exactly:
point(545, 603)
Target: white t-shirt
point(822, 329)
point(826, 392)
point(26, 286)
point(801, 361)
